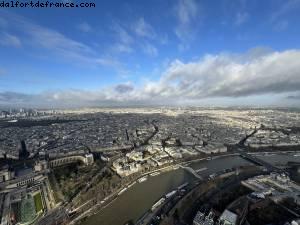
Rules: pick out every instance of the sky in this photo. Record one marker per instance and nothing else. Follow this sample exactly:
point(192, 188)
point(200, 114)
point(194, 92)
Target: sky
point(170, 52)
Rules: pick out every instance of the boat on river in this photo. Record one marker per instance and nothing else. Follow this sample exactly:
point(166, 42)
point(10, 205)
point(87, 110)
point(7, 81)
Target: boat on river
point(142, 179)
point(154, 174)
point(122, 191)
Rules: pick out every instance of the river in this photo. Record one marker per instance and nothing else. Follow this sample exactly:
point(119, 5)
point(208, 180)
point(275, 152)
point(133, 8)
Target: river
point(137, 200)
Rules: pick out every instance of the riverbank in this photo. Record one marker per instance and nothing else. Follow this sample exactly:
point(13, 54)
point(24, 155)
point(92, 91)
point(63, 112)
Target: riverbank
point(138, 194)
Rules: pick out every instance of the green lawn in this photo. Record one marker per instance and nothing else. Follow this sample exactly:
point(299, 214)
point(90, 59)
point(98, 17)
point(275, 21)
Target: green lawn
point(28, 210)
point(38, 202)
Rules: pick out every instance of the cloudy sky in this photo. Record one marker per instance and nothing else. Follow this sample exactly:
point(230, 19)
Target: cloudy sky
point(171, 52)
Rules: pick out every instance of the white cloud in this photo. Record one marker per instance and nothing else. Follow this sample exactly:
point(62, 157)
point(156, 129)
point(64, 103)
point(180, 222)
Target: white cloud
point(53, 42)
point(143, 29)
point(59, 44)
point(234, 75)
point(122, 35)
point(186, 13)
point(224, 75)
point(279, 19)
point(9, 40)
point(124, 40)
point(255, 73)
point(284, 8)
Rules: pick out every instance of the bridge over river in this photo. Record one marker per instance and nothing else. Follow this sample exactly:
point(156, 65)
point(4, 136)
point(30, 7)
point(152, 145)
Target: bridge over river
point(260, 162)
point(192, 171)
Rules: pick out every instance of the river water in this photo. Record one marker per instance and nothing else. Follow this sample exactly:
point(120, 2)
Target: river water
point(137, 200)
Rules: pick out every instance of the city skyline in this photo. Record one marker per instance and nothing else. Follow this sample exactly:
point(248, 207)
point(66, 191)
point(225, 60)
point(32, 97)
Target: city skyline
point(183, 52)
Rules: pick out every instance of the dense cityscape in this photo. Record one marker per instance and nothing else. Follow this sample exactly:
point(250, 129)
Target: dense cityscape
point(63, 166)
point(161, 112)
